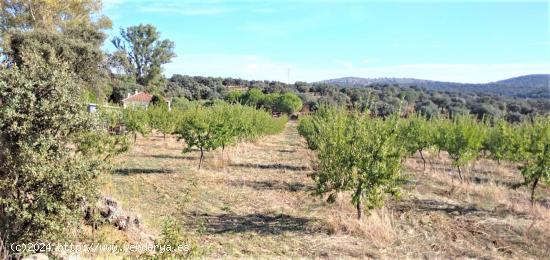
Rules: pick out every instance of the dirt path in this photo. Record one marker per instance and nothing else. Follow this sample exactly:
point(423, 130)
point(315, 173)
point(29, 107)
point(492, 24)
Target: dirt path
point(257, 202)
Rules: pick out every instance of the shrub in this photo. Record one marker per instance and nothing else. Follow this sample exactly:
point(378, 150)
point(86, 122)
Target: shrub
point(45, 177)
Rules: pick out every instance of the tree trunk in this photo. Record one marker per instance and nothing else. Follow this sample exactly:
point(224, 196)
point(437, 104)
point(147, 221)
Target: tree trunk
point(223, 148)
point(533, 190)
point(202, 156)
point(423, 159)
point(135, 138)
point(460, 173)
point(359, 209)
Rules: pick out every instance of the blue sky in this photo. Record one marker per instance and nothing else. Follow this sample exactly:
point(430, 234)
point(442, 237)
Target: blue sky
point(466, 41)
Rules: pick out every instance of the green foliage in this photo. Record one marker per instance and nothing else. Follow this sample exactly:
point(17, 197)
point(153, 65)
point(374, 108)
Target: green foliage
point(288, 103)
point(307, 129)
point(416, 134)
point(136, 121)
point(46, 178)
point(142, 49)
point(234, 97)
point(357, 153)
point(536, 153)
point(173, 243)
point(83, 58)
point(101, 144)
point(253, 97)
point(196, 130)
point(309, 126)
point(184, 104)
point(462, 138)
point(209, 128)
point(104, 142)
point(162, 120)
point(121, 89)
point(36, 32)
point(503, 141)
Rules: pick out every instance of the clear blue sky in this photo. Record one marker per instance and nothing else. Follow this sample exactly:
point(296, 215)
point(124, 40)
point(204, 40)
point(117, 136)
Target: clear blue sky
point(466, 41)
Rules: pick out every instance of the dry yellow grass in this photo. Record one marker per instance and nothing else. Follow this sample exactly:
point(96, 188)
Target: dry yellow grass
point(257, 202)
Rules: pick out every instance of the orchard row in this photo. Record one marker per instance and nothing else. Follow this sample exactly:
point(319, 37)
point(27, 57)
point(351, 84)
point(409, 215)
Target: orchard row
point(204, 128)
point(364, 154)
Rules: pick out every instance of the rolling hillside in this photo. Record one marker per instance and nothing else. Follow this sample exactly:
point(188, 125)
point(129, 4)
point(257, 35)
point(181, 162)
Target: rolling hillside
point(529, 86)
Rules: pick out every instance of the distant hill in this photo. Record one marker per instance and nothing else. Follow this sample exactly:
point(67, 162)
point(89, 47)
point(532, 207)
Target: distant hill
point(529, 86)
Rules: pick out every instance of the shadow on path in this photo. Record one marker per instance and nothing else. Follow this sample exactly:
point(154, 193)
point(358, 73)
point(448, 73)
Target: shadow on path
point(259, 223)
point(272, 185)
point(128, 171)
point(270, 166)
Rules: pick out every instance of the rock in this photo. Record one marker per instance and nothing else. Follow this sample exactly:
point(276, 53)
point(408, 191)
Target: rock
point(122, 222)
point(111, 212)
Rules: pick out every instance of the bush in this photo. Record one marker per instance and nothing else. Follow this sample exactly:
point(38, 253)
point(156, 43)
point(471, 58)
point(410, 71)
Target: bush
point(288, 103)
point(45, 177)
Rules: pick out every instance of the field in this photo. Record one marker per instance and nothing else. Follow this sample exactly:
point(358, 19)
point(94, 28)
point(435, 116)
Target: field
point(254, 199)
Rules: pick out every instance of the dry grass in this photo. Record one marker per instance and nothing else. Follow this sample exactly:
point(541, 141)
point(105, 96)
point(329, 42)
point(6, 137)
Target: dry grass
point(257, 202)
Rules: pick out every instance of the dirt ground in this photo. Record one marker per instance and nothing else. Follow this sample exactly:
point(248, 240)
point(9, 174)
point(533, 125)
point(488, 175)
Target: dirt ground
point(254, 200)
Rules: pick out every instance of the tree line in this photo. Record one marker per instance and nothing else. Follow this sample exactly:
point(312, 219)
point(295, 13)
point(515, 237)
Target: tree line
point(363, 154)
point(383, 100)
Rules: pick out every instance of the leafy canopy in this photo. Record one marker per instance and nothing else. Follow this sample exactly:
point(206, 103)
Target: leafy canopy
point(359, 154)
point(143, 52)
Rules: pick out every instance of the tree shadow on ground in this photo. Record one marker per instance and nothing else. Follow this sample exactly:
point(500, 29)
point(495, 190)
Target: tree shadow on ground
point(485, 180)
point(273, 185)
point(440, 206)
point(286, 151)
point(128, 171)
point(259, 223)
point(270, 166)
point(168, 156)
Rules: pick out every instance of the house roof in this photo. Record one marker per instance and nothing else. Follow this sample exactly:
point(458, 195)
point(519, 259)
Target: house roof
point(139, 97)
